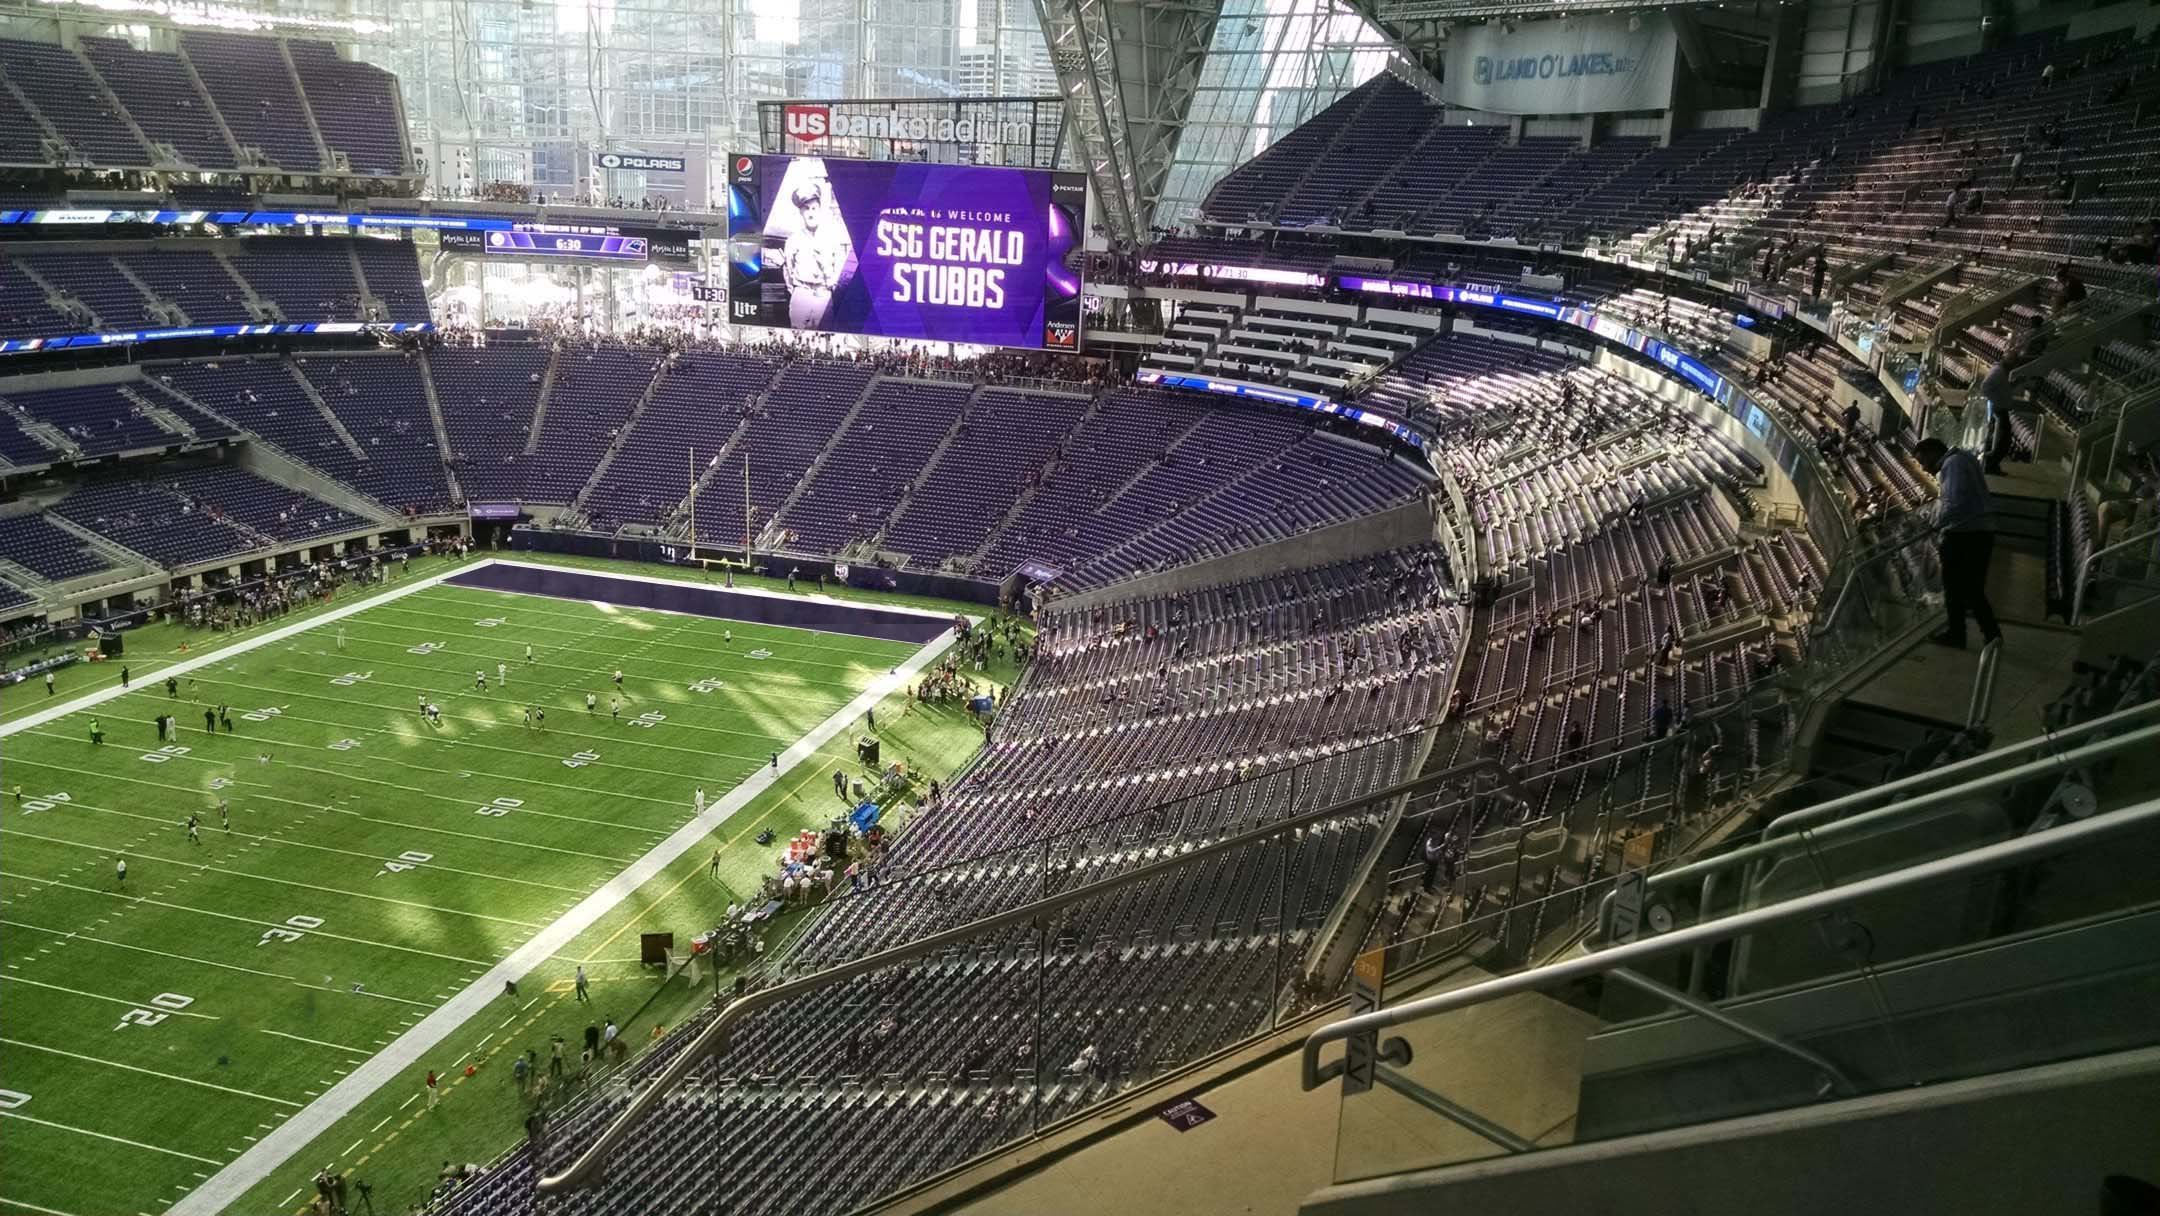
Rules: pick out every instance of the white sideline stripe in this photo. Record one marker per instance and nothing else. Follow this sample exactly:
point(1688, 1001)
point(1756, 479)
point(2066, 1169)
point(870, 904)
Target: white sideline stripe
point(84, 1131)
point(226, 654)
point(150, 1072)
point(296, 1133)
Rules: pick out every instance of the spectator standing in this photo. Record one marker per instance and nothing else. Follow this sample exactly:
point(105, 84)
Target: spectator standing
point(1965, 525)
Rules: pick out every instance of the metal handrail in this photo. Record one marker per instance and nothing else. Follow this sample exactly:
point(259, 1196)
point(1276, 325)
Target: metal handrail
point(2000, 855)
point(1792, 820)
point(1776, 843)
point(2084, 571)
point(1983, 694)
point(587, 1169)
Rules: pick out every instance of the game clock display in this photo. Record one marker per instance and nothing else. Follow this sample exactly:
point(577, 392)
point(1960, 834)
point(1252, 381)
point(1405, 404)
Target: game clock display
point(947, 253)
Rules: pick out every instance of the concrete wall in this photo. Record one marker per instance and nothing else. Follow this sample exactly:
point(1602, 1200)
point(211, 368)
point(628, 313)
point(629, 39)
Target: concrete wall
point(1409, 524)
point(2033, 1141)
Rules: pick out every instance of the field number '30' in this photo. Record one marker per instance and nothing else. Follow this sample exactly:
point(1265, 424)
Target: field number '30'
point(297, 930)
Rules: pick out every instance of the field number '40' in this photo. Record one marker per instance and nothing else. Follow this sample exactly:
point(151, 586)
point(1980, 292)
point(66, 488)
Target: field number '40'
point(32, 806)
point(165, 1001)
point(405, 861)
point(499, 807)
point(299, 926)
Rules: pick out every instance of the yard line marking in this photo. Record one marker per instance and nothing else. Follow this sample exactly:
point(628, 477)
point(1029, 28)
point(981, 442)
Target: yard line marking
point(408, 1102)
point(272, 838)
point(350, 1147)
point(367, 992)
point(146, 901)
point(31, 1207)
point(378, 1127)
point(274, 1150)
point(289, 1198)
point(347, 776)
point(358, 1051)
point(92, 700)
point(286, 882)
point(73, 935)
point(152, 1072)
point(117, 1000)
point(84, 1131)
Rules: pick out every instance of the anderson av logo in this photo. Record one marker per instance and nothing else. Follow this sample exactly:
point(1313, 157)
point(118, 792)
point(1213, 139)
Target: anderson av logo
point(806, 123)
point(1492, 70)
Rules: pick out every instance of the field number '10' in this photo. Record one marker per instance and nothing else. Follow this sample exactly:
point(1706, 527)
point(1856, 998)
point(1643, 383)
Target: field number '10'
point(295, 933)
point(148, 1017)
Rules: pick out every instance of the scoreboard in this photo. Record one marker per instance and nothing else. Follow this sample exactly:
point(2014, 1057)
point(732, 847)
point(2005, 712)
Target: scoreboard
point(529, 240)
point(614, 248)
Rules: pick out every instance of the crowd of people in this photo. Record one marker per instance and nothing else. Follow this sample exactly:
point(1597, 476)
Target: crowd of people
point(519, 192)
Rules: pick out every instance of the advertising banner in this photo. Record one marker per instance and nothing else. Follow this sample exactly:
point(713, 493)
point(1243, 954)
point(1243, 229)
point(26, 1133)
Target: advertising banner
point(1578, 65)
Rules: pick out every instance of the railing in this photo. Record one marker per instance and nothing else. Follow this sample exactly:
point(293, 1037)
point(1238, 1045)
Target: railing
point(2140, 553)
point(1572, 1083)
point(1982, 704)
point(1884, 594)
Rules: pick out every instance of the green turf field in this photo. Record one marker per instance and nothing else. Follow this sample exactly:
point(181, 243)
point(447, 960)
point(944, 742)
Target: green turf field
point(375, 865)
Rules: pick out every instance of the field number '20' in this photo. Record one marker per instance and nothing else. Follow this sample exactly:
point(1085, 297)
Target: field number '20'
point(168, 1001)
point(299, 926)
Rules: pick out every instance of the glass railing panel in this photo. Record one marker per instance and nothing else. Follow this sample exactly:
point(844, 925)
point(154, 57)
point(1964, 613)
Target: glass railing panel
point(1922, 973)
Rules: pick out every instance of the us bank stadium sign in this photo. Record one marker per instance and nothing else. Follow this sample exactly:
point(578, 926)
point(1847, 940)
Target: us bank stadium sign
point(1019, 132)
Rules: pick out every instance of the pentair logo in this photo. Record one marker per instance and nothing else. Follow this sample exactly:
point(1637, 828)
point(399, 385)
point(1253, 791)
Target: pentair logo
point(806, 123)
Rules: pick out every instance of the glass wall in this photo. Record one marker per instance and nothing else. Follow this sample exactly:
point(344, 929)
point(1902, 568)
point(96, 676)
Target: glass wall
point(528, 93)
point(1274, 64)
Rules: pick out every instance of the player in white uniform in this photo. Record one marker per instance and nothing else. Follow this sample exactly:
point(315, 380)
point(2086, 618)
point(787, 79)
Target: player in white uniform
point(811, 261)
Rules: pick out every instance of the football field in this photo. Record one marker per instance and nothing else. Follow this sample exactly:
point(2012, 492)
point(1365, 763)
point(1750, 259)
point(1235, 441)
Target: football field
point(373, 865)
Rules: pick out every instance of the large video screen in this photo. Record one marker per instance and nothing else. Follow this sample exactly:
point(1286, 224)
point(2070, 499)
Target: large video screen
point(947, 253)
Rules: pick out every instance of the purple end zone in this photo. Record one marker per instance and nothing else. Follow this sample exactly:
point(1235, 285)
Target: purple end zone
point(715, 602)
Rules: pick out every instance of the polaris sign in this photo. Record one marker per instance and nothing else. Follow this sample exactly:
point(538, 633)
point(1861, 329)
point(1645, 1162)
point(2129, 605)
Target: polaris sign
point(1580, 65)
point(638, 160)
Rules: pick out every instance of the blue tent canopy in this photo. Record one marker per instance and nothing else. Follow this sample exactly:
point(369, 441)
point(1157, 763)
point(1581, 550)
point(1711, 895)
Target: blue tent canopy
point(865, 816)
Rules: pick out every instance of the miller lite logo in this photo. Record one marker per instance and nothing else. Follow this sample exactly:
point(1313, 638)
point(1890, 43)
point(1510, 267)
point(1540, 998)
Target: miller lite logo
point(806, 123)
